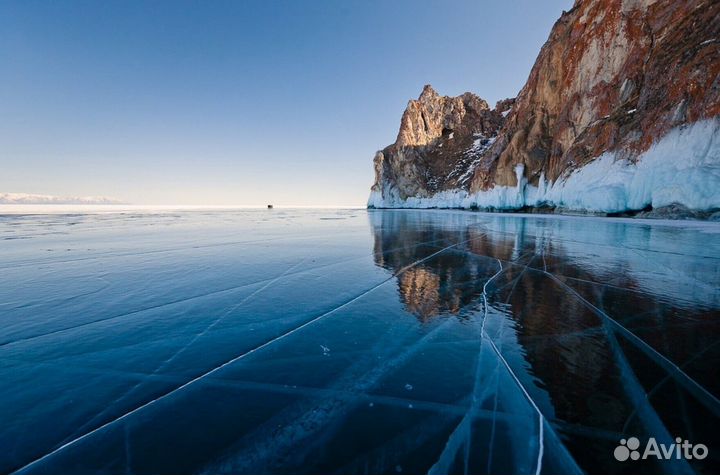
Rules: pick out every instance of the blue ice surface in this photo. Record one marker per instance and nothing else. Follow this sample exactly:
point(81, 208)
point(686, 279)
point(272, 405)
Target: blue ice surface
point(353, 341)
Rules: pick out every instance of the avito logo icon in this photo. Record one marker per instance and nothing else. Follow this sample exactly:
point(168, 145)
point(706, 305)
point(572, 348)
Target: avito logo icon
point(681, 449)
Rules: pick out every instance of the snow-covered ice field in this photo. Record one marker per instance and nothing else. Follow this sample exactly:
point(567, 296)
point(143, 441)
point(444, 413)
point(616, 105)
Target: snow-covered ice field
point(352, 341)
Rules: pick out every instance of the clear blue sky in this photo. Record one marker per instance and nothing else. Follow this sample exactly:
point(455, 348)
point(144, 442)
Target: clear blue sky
point(243, 102)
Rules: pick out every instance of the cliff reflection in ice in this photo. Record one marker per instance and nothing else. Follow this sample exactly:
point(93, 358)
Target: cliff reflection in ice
point(611, 325)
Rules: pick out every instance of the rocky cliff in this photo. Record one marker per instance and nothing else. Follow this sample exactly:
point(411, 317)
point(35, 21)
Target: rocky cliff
point(440, 142)
point(620, 112)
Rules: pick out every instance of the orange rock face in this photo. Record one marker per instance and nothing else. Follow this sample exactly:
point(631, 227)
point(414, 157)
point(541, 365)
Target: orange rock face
point(614, 75)
point(440, 139)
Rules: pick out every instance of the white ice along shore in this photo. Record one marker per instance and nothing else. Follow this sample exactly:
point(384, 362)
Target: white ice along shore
point(683, 167)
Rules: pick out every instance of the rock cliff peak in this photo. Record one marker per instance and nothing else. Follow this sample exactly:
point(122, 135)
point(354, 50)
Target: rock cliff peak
point(440, 137)
point(428, 93)
point(432, 115)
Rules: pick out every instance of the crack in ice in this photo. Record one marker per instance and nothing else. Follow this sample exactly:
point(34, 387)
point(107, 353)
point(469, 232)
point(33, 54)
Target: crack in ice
point(180, 351)
point(26, 467)
point(673, 370)
point(459, 439)
point(186, 299)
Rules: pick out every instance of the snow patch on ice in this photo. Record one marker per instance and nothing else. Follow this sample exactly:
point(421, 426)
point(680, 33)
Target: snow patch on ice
point(683, 167)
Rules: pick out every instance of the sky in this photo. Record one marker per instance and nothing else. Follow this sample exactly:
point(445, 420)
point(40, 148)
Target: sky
point(238, 102)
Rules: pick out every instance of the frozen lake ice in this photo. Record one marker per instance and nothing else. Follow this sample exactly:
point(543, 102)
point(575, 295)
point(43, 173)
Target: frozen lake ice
point(354, 341)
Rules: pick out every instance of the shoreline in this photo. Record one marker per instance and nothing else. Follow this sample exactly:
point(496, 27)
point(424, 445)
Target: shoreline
point(631, 217)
